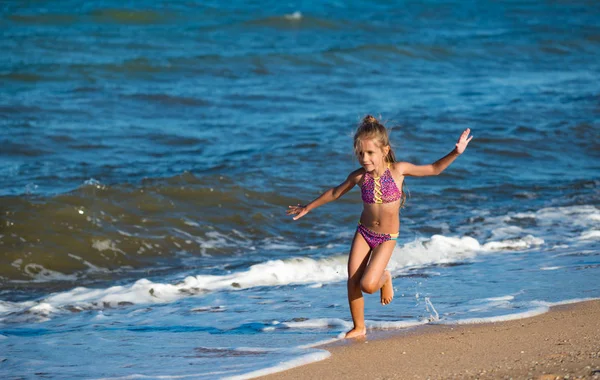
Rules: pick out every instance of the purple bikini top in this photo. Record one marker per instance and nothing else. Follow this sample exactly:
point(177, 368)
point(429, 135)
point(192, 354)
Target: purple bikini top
point(382, 189)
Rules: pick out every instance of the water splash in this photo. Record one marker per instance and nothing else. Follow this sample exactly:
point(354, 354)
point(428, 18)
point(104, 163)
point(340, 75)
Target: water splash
point(430, 309)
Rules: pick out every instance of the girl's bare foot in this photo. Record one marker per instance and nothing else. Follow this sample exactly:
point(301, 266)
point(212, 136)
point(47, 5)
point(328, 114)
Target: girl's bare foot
point(387, 290)
point(356, 333)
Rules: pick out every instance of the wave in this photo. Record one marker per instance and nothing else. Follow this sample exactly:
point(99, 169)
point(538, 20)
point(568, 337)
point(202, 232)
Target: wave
point(130, 16)
point(170, 100)
point(295, 20)
point(98, 231)
point(437, 250)
point(101, 228)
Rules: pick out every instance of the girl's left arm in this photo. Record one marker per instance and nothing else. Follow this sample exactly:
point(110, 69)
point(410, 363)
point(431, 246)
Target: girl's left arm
point(440, 165)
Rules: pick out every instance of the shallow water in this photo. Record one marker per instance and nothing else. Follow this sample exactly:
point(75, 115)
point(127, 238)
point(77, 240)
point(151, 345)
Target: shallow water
point(148, 156)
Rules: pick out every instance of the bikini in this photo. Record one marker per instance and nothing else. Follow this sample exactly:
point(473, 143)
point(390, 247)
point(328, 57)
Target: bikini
point(377, 190)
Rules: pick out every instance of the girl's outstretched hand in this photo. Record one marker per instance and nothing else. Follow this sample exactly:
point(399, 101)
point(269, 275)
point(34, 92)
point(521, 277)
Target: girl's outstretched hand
point(298, 210)
point(463, 141)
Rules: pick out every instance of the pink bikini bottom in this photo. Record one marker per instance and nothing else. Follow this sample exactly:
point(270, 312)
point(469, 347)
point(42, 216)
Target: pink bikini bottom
point(374, 238)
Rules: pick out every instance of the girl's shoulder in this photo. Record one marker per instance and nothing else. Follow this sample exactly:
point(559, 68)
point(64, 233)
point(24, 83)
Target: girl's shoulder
point(398, 168)
point(357, 175)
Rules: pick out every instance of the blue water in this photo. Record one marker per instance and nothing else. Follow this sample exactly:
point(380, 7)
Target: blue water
point(148, 154)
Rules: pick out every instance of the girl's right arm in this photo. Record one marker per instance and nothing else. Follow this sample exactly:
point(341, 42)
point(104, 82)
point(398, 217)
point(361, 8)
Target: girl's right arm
point(328, 196)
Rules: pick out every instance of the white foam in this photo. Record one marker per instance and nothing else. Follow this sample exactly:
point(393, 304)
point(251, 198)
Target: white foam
point(324, 323)
point(211, 240)
point(283, 366)
point(506, 232)
point(487, 304)
point(11, 307)
point(294, 16)
point(251, 349)
point(304, 270)
point(211, 375)
point(528, 194)
point(93, 182)
point(577, 222)
point(299, 270)
point(590, 235)
point(498, 318)
point(100, 316)
point(394, 325)
point(501, 298)
point(142, 291)
point(319, 343)
point(320, 323)
point(438, 249)
point(569, 302)
point(513, 244)
point(280, 247)
point(91, 266)
point(104, 245)
point(550, 268)
point(39, 273)
point(540, 307)
point(43, 309)
point(580, 215)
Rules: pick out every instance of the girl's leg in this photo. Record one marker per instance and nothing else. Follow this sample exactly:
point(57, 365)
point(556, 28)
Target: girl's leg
point(375, 276)
point(357, 262)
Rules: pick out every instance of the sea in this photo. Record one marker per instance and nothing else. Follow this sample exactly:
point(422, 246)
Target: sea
point(149, 151)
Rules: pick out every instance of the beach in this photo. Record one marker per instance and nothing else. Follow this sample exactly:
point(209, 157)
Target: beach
point(563, 343)
point(149, 152)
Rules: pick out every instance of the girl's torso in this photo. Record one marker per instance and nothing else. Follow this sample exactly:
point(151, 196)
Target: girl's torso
point(381, 201)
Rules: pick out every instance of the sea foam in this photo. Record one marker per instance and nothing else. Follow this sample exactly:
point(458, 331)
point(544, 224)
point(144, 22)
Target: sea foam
point(438, 249)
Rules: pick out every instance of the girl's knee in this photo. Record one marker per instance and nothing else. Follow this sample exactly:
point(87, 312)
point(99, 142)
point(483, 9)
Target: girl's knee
point(368, 286)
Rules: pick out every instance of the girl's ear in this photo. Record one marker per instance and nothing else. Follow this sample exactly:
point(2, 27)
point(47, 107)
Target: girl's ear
point(386, 150)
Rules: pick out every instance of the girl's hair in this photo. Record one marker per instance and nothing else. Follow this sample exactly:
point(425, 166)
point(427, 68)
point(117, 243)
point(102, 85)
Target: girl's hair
point(372, 129)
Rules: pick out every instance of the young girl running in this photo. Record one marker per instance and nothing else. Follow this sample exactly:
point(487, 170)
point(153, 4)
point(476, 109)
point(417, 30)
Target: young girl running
point(381, 179)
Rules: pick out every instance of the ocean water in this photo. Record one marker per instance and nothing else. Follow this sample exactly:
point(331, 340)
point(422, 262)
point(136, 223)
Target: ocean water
point(148, 153)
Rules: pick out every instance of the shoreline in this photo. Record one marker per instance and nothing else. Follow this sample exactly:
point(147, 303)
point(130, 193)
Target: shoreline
point(561, 343)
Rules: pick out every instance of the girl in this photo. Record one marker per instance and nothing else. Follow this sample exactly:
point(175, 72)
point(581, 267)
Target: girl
point(381, 179)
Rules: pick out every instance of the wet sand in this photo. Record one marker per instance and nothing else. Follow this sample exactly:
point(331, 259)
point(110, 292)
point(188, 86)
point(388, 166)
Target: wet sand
point(563, 343)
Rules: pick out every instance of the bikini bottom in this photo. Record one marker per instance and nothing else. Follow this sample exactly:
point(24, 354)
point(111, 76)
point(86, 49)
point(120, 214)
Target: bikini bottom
point(374, 239)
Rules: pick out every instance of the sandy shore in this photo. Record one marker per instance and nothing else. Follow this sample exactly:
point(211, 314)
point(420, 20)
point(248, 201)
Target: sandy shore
point(563, 343)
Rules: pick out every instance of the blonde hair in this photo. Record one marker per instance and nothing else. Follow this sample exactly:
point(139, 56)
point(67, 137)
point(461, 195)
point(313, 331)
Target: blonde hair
point(372, 129)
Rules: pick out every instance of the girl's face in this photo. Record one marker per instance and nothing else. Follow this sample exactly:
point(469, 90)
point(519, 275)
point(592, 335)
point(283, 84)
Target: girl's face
point(370, 155)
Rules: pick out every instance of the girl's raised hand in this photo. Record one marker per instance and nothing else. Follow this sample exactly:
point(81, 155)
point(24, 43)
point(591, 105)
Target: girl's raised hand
point(463, 141)
point(297, 210)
